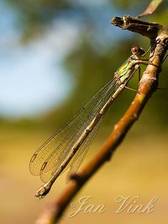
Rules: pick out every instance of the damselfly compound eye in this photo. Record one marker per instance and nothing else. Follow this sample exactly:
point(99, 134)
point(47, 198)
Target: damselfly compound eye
point(136, 50)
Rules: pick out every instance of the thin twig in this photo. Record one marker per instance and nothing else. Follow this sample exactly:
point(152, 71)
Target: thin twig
point(151, 8)
point(147, 85)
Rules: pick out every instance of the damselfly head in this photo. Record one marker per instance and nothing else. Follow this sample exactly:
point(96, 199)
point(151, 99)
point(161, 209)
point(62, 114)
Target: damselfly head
point(136, 50)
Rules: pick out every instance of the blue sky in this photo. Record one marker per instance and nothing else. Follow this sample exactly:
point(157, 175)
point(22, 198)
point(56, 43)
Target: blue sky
point(31, 77)
point(32, 80)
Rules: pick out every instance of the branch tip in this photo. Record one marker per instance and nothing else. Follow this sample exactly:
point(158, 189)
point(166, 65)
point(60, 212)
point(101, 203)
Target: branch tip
point(133, 24)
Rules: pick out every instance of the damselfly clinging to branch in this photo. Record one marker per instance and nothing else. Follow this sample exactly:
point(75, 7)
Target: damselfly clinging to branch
point(66, 147)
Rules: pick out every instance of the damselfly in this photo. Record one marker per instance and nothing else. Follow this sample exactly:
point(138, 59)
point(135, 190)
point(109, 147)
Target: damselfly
point(66, 148)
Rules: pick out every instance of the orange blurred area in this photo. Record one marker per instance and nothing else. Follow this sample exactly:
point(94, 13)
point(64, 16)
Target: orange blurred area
point(138, 169)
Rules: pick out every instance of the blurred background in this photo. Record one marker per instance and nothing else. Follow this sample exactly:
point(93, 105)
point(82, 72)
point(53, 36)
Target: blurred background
point(54, 55)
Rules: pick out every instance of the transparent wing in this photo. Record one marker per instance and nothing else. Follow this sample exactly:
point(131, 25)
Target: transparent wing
point(81, 153)
point(76, 160)
point(52, 153)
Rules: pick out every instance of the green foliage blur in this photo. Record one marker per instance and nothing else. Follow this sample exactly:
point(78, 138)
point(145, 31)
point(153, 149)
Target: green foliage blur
point(93, 58)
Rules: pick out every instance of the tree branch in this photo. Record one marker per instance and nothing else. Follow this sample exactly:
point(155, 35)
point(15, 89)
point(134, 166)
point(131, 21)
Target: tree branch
point(133, 24)
point(148, 84)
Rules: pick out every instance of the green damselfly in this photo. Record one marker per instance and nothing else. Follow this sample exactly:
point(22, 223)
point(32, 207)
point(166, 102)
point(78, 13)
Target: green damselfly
point(66, 147)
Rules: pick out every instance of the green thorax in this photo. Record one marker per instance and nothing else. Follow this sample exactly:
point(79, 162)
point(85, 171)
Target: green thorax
point(127, 68)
